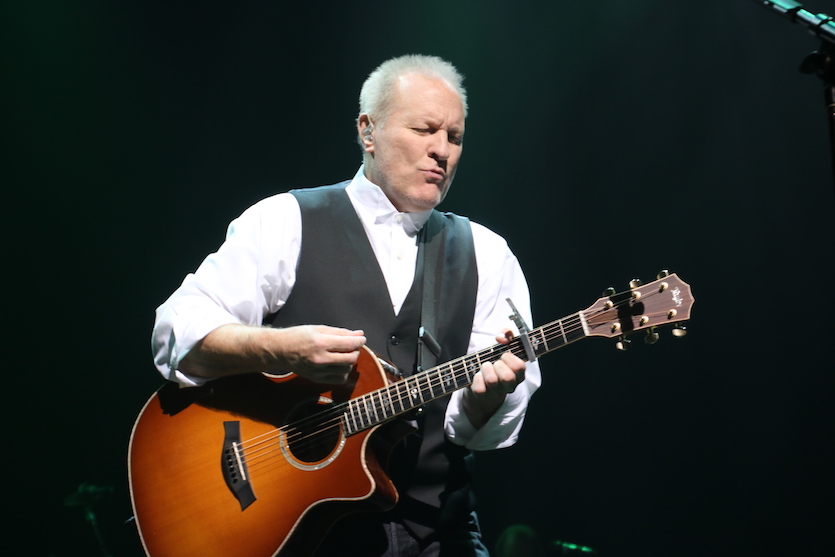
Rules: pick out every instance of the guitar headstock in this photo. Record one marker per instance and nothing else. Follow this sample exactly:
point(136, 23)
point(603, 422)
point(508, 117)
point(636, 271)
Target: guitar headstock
point(666, 301)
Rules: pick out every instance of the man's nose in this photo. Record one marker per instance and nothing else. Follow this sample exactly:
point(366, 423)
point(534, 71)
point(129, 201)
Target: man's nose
point(439, 147)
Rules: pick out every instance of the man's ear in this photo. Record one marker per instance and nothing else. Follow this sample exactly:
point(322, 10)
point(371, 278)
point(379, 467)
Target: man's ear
point(365, 129)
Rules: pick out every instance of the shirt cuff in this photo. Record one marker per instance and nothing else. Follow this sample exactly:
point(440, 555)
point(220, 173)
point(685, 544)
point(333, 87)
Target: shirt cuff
point(500, 431)
point(174, 337)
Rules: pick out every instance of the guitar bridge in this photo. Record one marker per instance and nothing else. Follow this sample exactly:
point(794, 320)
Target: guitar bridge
point(233, 464)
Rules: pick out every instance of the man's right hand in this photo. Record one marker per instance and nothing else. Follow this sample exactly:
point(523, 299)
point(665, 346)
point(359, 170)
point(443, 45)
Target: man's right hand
point(316, 352)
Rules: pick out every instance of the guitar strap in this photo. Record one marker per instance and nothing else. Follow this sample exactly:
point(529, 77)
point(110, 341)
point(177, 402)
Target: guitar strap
point(428, 268)
point(437, 253)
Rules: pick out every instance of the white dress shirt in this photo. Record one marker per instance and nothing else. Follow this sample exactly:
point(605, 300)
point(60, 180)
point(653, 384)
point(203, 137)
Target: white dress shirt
point(253, 272)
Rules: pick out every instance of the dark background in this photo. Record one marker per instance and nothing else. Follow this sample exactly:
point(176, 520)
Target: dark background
point(606, 141)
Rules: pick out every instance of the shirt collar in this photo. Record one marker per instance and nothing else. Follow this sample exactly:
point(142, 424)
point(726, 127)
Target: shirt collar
point(370, 201)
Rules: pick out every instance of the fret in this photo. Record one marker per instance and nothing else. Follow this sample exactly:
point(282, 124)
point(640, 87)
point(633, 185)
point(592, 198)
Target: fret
point(366, 410)
point(517, 348)
point(358, 410)
point(426, 389)
point(351, 406)
point(377, 405)
point(413, 391)
point(447, 379)
point(456, 369)
point(441, 378)
point(578, 328)
point(423, 390)
point(541, 342)
point(379, 408)
point(553, 333)
point(403, 390)
point(582, 318)
point(385, 400)
point(545, 346)
point(474, 366)
point(372, 412)
point(562, 332)
point(464, 370)
point(429, 389)
point(455, 377)
point(392, 392)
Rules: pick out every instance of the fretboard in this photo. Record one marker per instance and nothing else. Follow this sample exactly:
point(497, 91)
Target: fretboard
point(416, 390)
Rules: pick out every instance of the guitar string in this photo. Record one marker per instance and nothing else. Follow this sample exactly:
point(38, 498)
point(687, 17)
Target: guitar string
point(339, 409)
point(267, 458)
point(297, 432)
point(430, 384)
point(268, 461)
point(369, 418)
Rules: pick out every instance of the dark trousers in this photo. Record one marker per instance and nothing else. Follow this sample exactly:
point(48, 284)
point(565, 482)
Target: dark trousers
point(368, 535)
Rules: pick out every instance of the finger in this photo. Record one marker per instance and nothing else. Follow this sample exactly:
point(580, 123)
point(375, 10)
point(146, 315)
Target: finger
point(339, 358)
point(478, 385)
point(339, 331)
point(505, 336)
point(511, 371)
point(505, 376)
point(350, 343)
point(513, 361)
point(489, 376)
point(347, 348)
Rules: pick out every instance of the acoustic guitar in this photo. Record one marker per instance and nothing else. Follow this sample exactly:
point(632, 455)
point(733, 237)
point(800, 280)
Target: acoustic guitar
point(261, 465)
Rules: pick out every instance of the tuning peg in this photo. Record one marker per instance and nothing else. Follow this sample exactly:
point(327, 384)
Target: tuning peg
point(623, 343)
point(635, 283)
point(609, 292)
point(652, 336)
point(679, 330)
point(663, 274)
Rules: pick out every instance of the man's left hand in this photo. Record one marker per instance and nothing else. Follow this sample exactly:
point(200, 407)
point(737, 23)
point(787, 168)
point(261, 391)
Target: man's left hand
point(492, 384)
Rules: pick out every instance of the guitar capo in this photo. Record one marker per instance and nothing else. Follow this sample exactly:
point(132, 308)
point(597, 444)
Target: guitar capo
point(516, 317)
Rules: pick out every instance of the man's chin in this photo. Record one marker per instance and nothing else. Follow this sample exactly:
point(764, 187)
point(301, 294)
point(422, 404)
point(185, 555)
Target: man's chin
point(423, 203)
point(432, 199)
point(419, 198)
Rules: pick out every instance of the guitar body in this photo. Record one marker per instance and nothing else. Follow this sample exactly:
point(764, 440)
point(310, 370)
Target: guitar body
point(217, 470)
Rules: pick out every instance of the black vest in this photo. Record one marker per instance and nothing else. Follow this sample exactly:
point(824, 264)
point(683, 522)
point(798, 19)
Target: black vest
point(340, 283)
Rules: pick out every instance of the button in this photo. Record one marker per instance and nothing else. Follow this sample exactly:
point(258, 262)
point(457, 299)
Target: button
point(394, 340)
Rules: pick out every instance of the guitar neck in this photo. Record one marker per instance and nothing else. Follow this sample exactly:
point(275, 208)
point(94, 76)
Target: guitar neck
point(416, 390)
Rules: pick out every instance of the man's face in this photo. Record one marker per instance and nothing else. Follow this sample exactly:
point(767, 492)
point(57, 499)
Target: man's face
point(415, 152)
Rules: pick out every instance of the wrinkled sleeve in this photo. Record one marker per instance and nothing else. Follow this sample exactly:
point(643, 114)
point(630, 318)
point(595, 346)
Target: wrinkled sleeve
point(248, 278)
point(500, 277)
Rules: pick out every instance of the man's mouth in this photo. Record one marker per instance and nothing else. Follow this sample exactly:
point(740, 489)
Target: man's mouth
point(435, 174)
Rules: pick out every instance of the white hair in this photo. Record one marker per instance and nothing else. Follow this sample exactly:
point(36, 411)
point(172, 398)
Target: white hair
point(378, 92)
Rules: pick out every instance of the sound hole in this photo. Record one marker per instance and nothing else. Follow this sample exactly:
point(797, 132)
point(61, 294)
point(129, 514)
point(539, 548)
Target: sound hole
point(315, 433)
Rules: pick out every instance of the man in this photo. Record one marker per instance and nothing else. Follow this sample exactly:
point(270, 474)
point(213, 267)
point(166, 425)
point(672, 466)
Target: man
point(333, 269)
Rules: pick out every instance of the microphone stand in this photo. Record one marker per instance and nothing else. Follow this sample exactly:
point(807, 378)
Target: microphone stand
point(86, 496)
point(820, 62)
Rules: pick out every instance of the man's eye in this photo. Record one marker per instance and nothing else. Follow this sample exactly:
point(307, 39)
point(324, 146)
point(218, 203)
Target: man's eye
point(456, 139)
